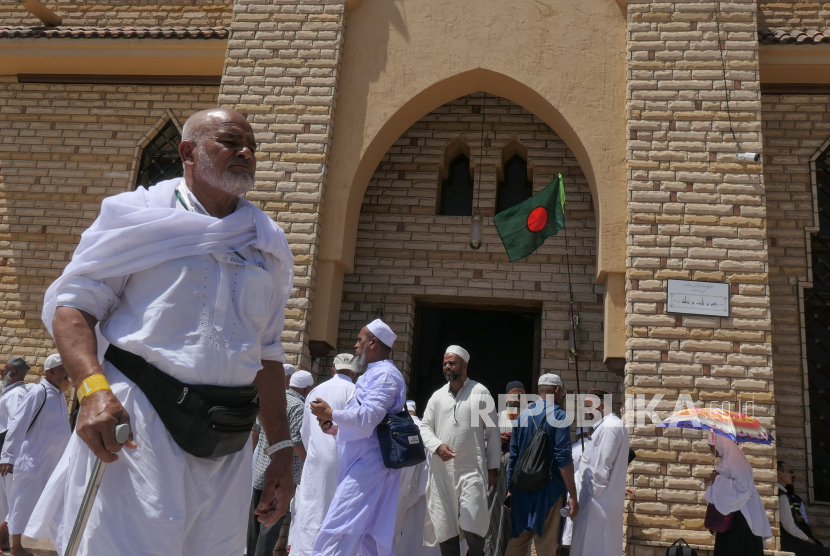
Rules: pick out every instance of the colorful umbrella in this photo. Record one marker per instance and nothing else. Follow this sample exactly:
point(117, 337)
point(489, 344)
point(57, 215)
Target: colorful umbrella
point(734, 426)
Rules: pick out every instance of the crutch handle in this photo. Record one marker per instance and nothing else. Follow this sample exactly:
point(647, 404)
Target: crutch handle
point(122, 432)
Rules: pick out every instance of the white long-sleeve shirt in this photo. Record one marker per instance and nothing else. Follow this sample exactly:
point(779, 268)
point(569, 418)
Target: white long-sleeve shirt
point(37, 437)
point(604, 470)
point(9, 400)
point(786, 514)
point(457, 489)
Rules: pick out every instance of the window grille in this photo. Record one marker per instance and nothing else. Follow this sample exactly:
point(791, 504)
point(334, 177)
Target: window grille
point(160, 158)
point(516, 187)
point(817, 322)
point(457, 189)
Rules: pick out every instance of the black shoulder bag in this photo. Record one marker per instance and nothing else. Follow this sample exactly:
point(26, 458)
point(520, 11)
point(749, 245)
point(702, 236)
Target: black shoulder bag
point(532, 471)
point(205, 421)
point(677, 549)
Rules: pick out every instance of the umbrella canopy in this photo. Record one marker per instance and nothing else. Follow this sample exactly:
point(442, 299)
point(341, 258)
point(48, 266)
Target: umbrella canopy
point(734, 426)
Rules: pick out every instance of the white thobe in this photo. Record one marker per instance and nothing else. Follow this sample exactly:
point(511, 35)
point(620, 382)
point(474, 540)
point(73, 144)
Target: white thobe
point(598, 527)
point(576, 455)
point(204, 318)
point(314, 497)
point(412, 507)
point(457, 489)
point(361, 518)
point(37, 437)
point(9, 400)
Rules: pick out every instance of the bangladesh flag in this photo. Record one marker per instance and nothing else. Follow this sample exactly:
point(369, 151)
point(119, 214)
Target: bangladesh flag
point(526, 226)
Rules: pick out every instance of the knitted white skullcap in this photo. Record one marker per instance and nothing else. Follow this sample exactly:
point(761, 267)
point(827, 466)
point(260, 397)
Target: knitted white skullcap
point(382, 332)
point(301, 379)
point(459, 351)
point(550, 379)
point(289, 369)
point(52, 361)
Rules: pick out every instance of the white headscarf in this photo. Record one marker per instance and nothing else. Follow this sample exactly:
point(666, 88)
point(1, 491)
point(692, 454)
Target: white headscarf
point(734, 487)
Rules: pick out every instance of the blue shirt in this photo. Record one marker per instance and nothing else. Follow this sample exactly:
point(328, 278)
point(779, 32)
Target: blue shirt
point(529, 510)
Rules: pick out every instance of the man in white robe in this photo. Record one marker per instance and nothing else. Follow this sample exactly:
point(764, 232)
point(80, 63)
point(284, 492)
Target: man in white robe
point(459, 426)
point(38, 434)
point(582, 438)
point(361, 518)
point(14, 390)
point(412, 505)
point(315, 494)
point(602, 495)
point(193, 279)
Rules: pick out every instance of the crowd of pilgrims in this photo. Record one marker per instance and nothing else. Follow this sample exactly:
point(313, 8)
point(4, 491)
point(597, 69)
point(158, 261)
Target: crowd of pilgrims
point(170, 316)
point(460, 500)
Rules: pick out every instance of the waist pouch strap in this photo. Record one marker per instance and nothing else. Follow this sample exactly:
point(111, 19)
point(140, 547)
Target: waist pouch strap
point(205, 421)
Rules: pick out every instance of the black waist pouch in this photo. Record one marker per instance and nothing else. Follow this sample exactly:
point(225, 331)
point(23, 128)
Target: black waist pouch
point(205, 421)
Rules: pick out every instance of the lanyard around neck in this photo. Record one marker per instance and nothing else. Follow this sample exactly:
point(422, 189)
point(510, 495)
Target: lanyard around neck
point(259, 261)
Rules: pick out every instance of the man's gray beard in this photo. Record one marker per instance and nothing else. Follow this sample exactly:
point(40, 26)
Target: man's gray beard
point(232, 183)
point(7, 380)
point(360, 364)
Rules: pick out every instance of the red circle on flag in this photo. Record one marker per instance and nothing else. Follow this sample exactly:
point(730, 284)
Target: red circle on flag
point(537, 219)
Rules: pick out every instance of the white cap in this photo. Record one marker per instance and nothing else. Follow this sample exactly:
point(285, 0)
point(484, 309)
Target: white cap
point(459, 351)
point(52, 361)
point(410, 405)
point(289, 369)
point(301, 379)
point(550, 379)
point(344, 362)
point(382, 332)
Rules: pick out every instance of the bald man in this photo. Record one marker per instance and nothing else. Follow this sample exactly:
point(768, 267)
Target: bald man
point(187, 283)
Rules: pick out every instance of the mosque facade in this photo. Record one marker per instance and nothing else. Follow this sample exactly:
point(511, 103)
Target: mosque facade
point(385, 126)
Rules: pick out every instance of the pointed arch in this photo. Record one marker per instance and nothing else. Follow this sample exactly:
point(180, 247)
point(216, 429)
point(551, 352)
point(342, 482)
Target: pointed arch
point(156, 155)
point(456, 172)
point(514, 175)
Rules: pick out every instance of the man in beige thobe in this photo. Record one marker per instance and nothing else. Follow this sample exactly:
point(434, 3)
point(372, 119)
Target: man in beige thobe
point(459, 426)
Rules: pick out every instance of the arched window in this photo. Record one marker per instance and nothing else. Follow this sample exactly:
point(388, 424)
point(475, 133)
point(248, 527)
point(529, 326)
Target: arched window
point(457, 189)
point(817, 325)
point(160, 158)
point(515, 187)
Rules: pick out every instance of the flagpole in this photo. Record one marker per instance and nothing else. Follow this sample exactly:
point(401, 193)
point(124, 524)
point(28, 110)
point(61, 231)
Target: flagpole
point(571, 311)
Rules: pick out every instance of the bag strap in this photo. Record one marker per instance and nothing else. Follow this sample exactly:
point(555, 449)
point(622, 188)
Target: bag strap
point(46, 397)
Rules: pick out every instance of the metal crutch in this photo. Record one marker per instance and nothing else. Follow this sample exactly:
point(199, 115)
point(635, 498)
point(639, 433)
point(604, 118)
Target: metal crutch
point(121, 434)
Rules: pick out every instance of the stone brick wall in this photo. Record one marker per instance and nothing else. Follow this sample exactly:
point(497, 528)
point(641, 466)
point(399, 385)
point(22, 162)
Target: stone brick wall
point(695, 213)
point(126, 13)
point(795, 128)
point(794, 14)
point(63, 148)
point(405, 250)
point(281, 72)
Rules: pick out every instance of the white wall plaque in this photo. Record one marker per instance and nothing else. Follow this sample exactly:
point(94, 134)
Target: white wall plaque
point(698, 298)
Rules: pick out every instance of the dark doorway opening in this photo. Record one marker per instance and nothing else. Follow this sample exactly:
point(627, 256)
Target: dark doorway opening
point(504, 345)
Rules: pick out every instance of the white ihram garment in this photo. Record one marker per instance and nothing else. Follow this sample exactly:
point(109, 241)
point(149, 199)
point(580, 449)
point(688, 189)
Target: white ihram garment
point(412, 508)
point(576, 454)
point(598, 527)
point(165, 284)
point(9, 400)
point(361, 518)
point(457, 489)
point(34, 445)
point(734, 488)
point(314, 497)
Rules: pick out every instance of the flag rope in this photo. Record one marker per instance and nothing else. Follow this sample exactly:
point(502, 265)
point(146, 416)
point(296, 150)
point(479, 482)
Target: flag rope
point(571, 312)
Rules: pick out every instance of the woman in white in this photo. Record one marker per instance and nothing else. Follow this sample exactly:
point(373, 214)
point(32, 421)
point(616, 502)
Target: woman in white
point(732, 491)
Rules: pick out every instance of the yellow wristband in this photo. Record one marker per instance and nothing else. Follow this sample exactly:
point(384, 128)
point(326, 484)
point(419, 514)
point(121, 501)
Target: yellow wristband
point(92, 384)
